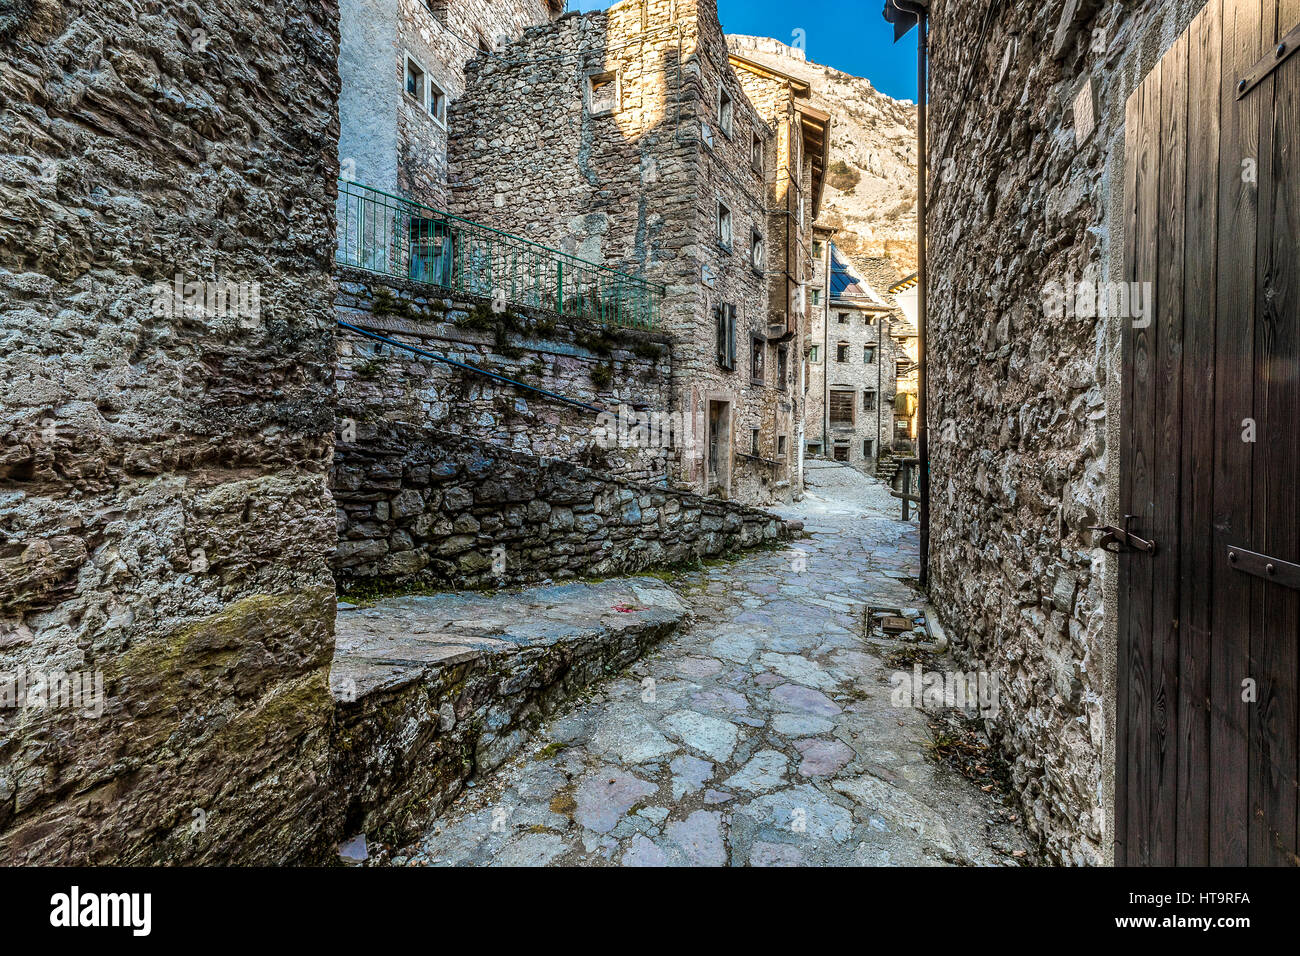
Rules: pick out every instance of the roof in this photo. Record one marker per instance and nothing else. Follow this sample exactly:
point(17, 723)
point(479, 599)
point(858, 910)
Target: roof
point(902, 285)
point(850, 285)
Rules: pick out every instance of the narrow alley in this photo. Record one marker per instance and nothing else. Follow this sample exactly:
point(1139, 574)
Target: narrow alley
point(762, 735)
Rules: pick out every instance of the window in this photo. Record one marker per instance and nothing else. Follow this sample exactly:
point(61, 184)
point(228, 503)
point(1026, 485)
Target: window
point(900, 369)
point(868, 401)
point(841, 451)
point(842, 318)
point(756, 349)
point(437, 103)
point(724, 225)
point(817, 248)
point(842, 352)
point(603, 93)
point(841, 409)
point(782, 366)
point(753, 442)
point(868, 354)
point(725, 111)
point(757, 250)
point(868, 447)
point(756, 154)
point(812, 354)
point(814, 448)
point(816, 296)
point(483, 45)
point(780, 446)
point(414, 79)
point(725, 316)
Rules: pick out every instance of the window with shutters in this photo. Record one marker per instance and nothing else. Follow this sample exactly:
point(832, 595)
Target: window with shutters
point(725, 317)
point(841, 407)
point(841, 451)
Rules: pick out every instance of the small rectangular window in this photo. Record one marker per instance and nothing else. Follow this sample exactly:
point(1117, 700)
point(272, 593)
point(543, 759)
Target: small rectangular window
point(841, 407)
point(756, 349)
point(725, 316)
point(868, 448)
point(868, 401)
point(842, 352)
point(812, 354)
point(868, 354)
point(843, 318)
point(437, 103)
point(753, 442)
point(724, 225)
point(603, 93)
point(725, 111)
point(780, 446)
point(414, 80)
point(816, 296)
point(756, 154)
point(817, 248)
point(841, 451)
point(757, 250)
point(782, 366)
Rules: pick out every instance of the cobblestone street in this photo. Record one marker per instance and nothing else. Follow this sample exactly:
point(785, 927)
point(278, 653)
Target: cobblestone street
point(763, 735)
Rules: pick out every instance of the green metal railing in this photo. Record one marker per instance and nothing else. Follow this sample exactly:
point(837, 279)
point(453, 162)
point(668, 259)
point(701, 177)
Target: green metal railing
point(387, 234)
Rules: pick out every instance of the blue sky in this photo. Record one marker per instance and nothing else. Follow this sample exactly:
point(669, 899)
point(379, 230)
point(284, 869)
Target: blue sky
point(850, 35)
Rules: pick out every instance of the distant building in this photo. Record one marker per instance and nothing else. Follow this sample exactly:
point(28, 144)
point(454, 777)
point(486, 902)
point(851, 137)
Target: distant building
point(858, 363)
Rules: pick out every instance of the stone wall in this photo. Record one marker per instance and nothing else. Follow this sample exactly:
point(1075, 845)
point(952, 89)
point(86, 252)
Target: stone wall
point(627, 180)
point(624, 371)
point(165, 516)
point(452, 510)
point(1024, 408)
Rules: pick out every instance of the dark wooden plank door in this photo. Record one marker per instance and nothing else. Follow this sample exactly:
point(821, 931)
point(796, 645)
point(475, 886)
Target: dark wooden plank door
point(1209, 714)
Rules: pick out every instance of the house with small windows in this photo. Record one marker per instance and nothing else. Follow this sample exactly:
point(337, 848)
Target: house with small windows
point(633, 138)
point(859, 405)
point(401, 64)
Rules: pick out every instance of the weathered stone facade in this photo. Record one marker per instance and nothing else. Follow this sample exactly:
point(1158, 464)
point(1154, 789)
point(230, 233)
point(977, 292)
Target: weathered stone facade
point(1024, 408)
point(427, 505)
point(624, 372)
point(164, 507)
point(392, 137)
point(628, 130)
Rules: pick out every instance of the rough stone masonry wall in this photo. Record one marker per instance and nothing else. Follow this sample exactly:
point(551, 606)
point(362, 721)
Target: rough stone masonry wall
point(635, 189)
point(429, 505)
point(625, 371)
point(165, 518)
point(1024, 408)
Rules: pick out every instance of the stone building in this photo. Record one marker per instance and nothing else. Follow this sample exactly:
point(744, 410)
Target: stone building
point(855, 345)
point(1042, 180)
point(628, 138)
point(166, 430)
point(401, 63)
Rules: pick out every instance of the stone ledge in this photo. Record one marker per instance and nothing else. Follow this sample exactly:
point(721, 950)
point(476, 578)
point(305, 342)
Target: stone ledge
point(430, 690)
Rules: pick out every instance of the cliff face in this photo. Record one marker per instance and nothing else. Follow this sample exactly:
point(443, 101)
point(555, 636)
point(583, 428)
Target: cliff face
point(871, 181)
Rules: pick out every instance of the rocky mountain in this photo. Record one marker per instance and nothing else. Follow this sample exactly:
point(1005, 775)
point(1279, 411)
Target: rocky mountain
point(871, 189)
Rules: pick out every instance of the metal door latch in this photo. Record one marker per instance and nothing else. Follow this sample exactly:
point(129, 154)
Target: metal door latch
point(1118, 540)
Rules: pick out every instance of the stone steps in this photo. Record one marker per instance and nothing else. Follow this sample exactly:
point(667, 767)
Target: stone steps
point(430, 690)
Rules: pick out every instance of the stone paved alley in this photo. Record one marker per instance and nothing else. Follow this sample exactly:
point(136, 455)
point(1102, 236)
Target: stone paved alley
point(763, 735)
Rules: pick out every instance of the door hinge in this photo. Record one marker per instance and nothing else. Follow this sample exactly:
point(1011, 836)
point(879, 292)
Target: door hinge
point(1118, 540)
point(1269, 62)
point(1285, 573)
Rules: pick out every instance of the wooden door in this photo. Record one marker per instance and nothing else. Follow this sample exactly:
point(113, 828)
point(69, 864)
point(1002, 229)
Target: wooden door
point(1210, 464)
